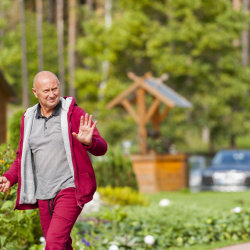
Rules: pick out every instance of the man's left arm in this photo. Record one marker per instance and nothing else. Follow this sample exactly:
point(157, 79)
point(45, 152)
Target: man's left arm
point(89, 136)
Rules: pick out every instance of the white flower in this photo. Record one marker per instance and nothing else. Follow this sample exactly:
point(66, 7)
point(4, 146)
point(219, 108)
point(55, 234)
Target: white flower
point(237, 210)
point(42, 239)
point(149, 239)
point(113, 247)
point(164, 202)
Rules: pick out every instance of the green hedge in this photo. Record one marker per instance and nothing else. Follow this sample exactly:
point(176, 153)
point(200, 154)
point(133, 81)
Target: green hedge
point(19, 229)
point(14, 128)
point(114, 169)
point(123, 196)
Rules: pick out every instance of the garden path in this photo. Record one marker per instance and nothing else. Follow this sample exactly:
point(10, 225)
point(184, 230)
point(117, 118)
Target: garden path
point(243, 246)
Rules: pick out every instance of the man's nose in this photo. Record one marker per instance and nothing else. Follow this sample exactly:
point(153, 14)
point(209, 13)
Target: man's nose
point(51, 94)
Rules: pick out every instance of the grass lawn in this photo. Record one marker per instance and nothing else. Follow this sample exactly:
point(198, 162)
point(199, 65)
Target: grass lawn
point(188, 207)
point(191, 205)
point(202, 204)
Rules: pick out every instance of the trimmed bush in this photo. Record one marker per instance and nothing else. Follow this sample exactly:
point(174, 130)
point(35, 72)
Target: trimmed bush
point(14, 128)
point(122, 196)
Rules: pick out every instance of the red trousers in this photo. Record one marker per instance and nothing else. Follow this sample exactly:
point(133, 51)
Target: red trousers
point(57, 229)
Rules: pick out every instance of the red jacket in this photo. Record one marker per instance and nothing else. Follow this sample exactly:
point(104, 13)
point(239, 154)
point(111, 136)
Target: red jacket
point(21, 171)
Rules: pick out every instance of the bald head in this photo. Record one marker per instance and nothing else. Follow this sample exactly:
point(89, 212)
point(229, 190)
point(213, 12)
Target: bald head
point(46, 90)
point(44, 76)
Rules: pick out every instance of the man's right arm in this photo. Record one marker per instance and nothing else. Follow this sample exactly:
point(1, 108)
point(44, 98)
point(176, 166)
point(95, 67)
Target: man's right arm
point(12, 173)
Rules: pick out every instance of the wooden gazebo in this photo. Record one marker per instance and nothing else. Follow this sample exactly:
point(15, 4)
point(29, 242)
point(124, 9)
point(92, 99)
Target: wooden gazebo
point(153, 172)
point(7, 94)
point(159, 91)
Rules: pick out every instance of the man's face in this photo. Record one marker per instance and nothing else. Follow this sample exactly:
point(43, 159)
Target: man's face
point(46, 89)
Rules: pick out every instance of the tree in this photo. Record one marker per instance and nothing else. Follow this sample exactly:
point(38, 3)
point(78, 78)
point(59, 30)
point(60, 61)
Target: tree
point(25, 95)
point(192, 41)
point(60, 42)
point(71, 46)
point(39, 29)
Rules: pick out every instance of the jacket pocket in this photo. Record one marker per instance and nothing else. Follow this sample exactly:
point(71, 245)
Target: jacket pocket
point(85, 186)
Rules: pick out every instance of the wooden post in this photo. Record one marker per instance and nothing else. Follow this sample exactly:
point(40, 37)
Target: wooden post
point(141, 105)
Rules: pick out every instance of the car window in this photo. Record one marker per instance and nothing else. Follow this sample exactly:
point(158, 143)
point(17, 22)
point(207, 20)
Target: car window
point(223, 158)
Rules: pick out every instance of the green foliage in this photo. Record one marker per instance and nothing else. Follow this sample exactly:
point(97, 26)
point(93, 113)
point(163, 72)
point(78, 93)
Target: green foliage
point(14, 128)
point(169, 228)
point(19, 229)
point(114, 169)
point(122, 196)
point(10, 61)
point(192, 42)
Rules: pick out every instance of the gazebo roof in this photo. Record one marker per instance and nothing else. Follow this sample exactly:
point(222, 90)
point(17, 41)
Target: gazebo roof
point(7, 89)
point(168, 94)
point(156, 88)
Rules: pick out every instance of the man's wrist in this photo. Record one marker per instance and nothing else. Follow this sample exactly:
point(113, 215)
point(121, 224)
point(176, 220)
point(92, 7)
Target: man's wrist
point(88, 145)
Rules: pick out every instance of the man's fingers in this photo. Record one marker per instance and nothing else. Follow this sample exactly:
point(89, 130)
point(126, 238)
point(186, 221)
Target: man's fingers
point(75, 135)
point(94, 125)
point(81, 121)
point(3, 180)
point(90, 120)
point(86, 119)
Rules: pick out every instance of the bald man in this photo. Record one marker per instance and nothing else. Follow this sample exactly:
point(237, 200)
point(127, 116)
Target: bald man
point(52, 167)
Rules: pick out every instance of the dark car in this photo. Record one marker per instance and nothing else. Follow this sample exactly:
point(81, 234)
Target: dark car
point(230, 171)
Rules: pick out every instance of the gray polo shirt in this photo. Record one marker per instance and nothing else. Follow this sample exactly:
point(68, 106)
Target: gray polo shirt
point(52, 172)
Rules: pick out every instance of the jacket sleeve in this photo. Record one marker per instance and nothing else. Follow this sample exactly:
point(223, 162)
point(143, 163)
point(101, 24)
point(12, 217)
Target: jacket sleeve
point(99, 145)
point(12, 173)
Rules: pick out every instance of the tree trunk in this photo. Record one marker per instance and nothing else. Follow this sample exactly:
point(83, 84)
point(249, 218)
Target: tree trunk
point(105, 64)
point(90, 4)
point(245, 36)
point(233, 141)
point(1, 28)
point(60, 44)
point(236, 7)
point(25, 93)
point(39, 29)
point(51, 11)
point(71, 45)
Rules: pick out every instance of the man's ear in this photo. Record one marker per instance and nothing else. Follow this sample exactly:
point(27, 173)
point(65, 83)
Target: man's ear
point(34, 91)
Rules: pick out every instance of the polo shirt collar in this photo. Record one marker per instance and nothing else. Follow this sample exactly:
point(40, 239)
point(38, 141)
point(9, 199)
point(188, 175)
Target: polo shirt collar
point(56, 111)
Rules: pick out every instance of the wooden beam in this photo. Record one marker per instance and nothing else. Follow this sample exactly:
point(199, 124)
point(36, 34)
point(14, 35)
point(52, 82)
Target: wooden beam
point(156, 120)
point(118, 99)
point(165, 112)
point(152, 109)
point(141, 107)
point(126, 104)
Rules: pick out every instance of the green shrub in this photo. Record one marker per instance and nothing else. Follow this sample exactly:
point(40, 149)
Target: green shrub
point(116, 227)
point(123, 196)
point(19, 229)
point(114, 169)
point(14, 128)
